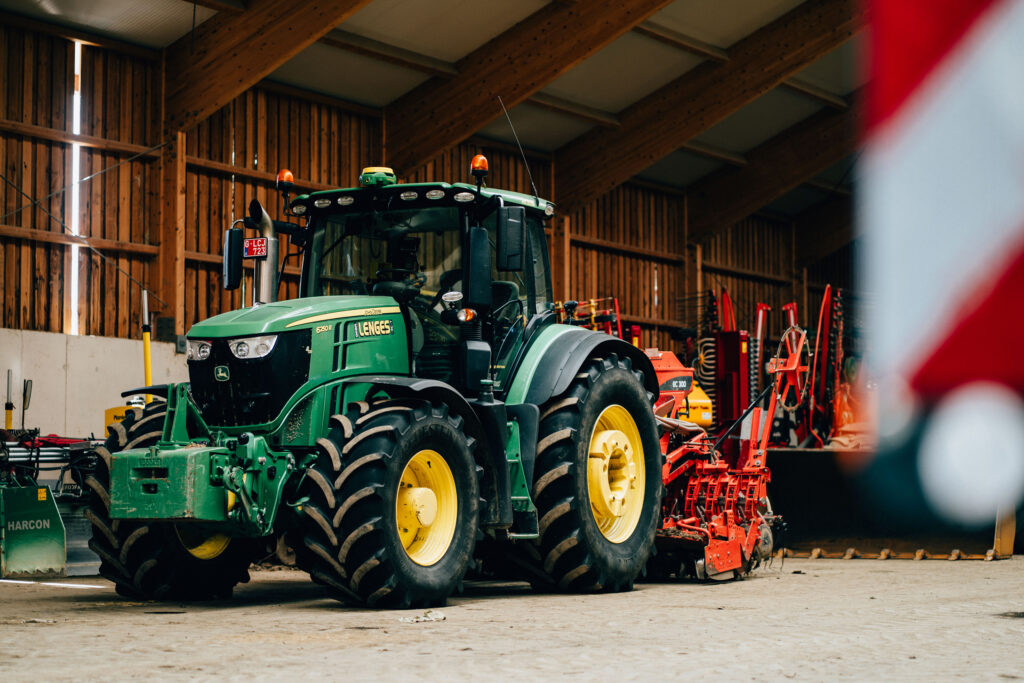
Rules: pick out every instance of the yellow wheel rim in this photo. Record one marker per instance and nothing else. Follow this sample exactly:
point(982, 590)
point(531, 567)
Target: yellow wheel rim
point(426, 508)
point(201, 545)
point(615, 474)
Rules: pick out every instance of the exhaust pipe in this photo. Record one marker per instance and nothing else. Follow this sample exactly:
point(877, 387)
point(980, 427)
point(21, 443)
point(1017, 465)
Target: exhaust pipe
point(264, 289)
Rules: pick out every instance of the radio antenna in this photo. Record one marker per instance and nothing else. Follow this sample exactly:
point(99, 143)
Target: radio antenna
point(520, 145)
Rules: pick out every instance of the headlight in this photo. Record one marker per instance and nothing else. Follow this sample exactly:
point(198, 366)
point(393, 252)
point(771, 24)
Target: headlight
point(252, 347)
point(197, 350)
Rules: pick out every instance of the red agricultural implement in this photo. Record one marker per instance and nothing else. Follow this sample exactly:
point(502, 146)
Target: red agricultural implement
point(717, 520)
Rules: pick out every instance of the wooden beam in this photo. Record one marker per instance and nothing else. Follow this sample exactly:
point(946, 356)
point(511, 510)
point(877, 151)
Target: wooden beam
point(816, 93)
point(715, 152)
point(823, 230)
point(580, 111)
point(218, 259)
point(681, 41)
point(700, 48)
point(745, 273)
point(90, 141)
point(673, 115)
point(440, 113)
point(398, 56)
point(171, 260)
point(441, 69)
point(252, 174)
point(629, 250)
point(794, 156)
point(63, 238)
point(231, 53)
point(651, 322)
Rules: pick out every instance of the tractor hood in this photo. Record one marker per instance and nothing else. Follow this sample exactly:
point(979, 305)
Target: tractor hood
point(294, 314)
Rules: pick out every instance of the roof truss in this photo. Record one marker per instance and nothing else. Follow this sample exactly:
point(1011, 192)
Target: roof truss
point(230, 52)
point(664, 121)
point(442, 112)
point(773, 168)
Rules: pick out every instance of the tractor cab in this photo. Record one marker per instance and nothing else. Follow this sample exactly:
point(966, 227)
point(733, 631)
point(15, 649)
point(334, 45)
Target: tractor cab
point(466, 264)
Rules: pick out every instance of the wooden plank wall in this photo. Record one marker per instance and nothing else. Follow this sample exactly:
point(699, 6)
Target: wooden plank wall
point(322, 145)
point(618, 245)
point(506, 168)
point(120, 95)
point(34, 88)
point(753, 260)
point(622, 244)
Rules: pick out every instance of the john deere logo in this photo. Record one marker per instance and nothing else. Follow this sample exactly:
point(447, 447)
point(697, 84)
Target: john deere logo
point(221, 373)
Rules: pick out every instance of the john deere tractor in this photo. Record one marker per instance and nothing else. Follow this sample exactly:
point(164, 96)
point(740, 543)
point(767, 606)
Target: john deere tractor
point(418, 397)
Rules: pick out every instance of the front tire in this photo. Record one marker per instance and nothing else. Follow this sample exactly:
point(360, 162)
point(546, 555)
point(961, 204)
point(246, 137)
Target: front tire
point(392, 505)
point(597, 483)
point(157, 560)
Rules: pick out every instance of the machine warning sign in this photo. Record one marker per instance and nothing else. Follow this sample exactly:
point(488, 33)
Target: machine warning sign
point(255, 247)
point(373, 328)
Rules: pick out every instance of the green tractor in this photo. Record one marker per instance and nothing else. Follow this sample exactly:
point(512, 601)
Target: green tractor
point(417, 398)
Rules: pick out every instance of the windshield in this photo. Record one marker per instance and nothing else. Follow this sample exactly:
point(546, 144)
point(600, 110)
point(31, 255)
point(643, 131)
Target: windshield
point(414, 254)
point(407, 245)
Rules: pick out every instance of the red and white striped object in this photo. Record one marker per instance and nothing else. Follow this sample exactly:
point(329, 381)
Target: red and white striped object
point(942, 217)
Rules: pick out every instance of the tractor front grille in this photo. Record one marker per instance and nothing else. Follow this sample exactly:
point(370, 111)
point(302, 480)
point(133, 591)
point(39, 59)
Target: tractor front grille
point(257, 388)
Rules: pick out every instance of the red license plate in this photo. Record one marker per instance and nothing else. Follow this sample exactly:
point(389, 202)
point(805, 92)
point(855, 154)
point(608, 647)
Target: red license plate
point(255, 247)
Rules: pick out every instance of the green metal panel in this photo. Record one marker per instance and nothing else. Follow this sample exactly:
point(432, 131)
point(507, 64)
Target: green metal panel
point(292, 314)
point(170, 484)
point(539, 346)
point(521, 499)
point(350, 335)
point(32, 539)
point(238, 483)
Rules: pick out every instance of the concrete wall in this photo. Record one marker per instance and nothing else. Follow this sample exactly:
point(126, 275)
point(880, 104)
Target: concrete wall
point(74, 379)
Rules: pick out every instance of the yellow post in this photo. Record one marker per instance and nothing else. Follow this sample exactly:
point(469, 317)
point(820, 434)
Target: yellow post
point(147, 358)
point(8, 407)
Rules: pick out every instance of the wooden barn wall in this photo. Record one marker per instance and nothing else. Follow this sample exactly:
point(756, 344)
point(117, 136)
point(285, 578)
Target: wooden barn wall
point(625, 244)
point(753, 260)
point(261, 131)
point(35, 88)
point(119, 97)
point(619, 245)
point(506, 168)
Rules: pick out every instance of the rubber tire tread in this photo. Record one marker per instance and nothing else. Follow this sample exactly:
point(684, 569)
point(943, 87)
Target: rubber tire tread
point(368, 564)
point(146, 560)
point(573, 555)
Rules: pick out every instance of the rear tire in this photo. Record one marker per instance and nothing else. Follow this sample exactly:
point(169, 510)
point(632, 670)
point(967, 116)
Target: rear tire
point(153, 560)
point(392, 505)
point(597, 483)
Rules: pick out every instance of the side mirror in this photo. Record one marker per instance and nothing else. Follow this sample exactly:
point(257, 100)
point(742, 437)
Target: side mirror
point(511, 238)
point(26, 397)
point(232, 258)
point(478, 280)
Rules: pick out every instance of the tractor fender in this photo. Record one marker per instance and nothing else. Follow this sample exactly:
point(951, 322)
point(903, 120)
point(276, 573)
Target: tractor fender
point(561, 353)
point(495, 487)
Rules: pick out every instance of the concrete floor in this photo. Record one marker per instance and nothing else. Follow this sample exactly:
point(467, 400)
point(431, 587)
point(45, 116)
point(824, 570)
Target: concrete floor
point(809, 620)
